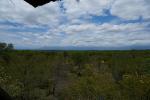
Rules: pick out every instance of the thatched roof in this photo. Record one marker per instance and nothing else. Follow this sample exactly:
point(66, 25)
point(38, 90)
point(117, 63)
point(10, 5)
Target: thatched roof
point(36, 3)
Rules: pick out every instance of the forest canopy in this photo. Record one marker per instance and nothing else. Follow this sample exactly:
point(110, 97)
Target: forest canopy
point(76, 75)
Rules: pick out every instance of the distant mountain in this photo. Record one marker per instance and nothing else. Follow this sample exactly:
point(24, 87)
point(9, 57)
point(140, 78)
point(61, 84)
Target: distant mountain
point(133, 47)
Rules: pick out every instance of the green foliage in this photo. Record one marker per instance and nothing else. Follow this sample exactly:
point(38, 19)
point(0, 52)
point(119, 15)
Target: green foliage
point(5, 46)
point(137, 85)
point(75, 75)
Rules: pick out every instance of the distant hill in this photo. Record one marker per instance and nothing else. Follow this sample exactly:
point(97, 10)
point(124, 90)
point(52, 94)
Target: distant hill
point(134, 47)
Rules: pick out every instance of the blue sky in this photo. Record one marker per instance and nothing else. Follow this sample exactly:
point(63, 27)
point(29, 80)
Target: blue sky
point(99, 24)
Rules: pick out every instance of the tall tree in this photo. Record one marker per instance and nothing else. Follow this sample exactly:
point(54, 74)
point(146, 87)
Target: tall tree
point(3, 46)
point(10, 46)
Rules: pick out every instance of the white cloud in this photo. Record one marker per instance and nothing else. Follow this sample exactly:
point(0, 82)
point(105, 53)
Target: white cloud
point(20, 11)
point(109, 35)
point(106, 27)
point(131, 9)
point(85, 8)
point(74, 30)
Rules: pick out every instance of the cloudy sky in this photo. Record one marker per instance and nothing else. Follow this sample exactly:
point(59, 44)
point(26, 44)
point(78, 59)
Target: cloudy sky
point(88, 23)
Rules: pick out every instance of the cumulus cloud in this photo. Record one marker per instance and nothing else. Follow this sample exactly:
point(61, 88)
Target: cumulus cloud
point(108, 35)
point(86, 7)
point(20, 11)
point(67, 23)
point(106, 27)
point(131, 9)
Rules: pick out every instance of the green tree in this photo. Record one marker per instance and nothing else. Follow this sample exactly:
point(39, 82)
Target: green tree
point(3, 46)
point(10, 46)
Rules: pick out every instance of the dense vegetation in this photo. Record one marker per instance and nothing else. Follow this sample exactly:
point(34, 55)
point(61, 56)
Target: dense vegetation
point(76, 75)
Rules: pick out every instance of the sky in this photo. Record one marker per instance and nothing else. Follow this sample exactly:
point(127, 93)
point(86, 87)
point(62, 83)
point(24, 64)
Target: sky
point(99, 24)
